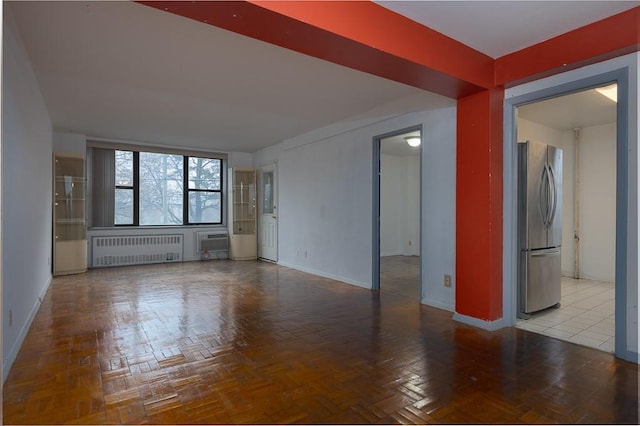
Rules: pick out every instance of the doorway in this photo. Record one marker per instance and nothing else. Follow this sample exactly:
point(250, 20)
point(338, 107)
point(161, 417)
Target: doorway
point(397, 257)
point(268, 213)
point(583, 126)
point(621, 71)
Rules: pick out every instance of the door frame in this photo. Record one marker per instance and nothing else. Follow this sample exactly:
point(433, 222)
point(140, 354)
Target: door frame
point(623, 165)
point(377, 157)
point(273, 164)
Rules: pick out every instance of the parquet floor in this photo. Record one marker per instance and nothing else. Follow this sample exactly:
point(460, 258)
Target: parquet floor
point(401, 275)
point(252, 342)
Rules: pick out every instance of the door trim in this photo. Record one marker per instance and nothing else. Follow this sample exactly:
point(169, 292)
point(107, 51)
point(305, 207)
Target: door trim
point(273, 164)
point(621, 77)
point(375, 232)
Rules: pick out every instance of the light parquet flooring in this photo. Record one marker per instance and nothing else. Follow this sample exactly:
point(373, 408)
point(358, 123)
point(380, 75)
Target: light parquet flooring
point(252, 342)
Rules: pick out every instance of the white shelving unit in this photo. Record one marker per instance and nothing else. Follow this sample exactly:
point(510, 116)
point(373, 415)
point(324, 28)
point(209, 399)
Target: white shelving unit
point(69, 210)
point(243, 242)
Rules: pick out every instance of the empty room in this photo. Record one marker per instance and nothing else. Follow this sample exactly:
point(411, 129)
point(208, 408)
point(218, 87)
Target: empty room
point(196, 228)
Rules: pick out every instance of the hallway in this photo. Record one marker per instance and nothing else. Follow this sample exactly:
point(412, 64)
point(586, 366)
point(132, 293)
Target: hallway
point(252, 342)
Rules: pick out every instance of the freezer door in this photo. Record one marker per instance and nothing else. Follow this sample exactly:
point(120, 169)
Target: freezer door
point(532, 195)
point(540, 288)
point(554, 230)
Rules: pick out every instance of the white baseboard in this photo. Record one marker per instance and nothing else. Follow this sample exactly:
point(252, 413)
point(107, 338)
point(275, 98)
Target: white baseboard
point(485, 325)
point(7, 363)
point(325, 275)
point(437, 304)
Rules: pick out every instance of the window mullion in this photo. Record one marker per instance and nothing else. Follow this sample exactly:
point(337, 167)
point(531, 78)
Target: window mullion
point(136, 188)
point(185, 190)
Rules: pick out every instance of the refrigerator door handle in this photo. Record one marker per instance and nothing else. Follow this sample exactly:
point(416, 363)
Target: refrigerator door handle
point(549, 195)
point(544, 196)
point(552, 187)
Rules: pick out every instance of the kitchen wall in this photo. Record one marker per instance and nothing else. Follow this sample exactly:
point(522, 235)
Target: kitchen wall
point(26, 194)
point(325, 182)
point(399, 205)
point(597, 214)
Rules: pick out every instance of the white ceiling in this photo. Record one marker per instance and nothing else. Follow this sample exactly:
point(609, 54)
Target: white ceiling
point(497, 28)
point(122, 70)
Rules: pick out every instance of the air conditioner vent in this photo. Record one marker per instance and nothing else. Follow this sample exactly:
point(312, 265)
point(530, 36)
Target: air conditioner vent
point(212, 245)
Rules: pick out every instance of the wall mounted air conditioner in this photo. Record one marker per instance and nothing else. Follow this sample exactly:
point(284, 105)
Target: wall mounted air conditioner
point(212, 245)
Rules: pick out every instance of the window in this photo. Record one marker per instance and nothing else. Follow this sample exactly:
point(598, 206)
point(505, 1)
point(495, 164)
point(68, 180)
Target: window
point(158, 188)
point(124, 191)
point(204, 192)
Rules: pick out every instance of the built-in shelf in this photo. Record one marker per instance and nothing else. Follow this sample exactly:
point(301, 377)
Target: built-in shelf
point(69, 215)
point(243, 243)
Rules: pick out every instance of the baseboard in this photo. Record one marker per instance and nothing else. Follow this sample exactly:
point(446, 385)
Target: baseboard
point(325, 275)
point(13, 353)
point(485, 325)
point(437, 304)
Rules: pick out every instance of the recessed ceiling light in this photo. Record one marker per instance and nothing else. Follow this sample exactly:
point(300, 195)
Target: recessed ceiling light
point(610, 92)
point(413, 140)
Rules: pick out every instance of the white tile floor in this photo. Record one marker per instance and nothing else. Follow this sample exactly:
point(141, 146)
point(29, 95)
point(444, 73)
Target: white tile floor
point(585, 316)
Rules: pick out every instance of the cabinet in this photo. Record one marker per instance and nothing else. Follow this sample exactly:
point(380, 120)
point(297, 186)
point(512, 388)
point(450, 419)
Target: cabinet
point(69, 224)
point(242, 231)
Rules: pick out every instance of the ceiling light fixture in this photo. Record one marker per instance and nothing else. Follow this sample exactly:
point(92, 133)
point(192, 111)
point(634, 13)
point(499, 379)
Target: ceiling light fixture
point(610, 92)
point(413, 140)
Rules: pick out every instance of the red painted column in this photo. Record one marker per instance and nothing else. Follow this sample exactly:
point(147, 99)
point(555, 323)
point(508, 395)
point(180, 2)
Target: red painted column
point(479, 205)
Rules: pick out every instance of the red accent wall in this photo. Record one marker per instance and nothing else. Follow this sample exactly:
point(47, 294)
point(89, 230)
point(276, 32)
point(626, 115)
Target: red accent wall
point(479, 205)
point(596, 42)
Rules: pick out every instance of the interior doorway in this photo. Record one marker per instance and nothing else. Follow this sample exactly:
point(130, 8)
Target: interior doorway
point(583, 125)
point(268, 213)
point(397, 257)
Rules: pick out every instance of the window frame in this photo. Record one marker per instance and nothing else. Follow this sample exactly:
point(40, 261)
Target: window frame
point(134, 187)
point(186, 190)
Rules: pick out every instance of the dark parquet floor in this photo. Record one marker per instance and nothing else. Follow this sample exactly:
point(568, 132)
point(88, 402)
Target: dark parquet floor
point(251, 342)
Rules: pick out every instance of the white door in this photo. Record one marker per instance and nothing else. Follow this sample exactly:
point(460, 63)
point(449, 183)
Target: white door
point(268, 218)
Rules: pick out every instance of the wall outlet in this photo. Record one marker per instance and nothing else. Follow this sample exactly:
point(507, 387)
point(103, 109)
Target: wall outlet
point(447, 280)
point(409, 243)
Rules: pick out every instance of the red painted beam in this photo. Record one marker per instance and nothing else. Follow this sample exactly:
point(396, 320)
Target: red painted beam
point(356, 34)
point(479, 205)
point(596, 42)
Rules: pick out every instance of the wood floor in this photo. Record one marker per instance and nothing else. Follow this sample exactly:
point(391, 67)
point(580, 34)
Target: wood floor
point(252, 342)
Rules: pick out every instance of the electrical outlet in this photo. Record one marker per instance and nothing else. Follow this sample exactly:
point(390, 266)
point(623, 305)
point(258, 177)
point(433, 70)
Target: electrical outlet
point(447, 280)
point(409, 243)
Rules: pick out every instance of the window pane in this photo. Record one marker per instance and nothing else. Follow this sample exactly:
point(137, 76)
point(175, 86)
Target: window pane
point(267, 193)
point(123, 207)
point(124, 168)
point(204, 207)
point(160, 189)
point(204, 173)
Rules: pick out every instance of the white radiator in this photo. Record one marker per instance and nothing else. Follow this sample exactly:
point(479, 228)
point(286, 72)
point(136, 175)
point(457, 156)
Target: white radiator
point(212, 245)
point(136, 250)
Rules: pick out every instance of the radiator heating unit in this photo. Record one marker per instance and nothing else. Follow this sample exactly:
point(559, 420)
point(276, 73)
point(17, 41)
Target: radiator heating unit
point(136, 250)
point(212, 245)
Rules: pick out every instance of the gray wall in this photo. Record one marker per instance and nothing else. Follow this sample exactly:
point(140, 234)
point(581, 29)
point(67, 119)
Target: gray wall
point(26, 194)
point(326, 193)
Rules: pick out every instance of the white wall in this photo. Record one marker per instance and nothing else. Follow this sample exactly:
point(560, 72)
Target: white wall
point(325, 183)
point(393, 204)
point(597, 204)
point(399, 205)
point(26, 194)
point(597, 196)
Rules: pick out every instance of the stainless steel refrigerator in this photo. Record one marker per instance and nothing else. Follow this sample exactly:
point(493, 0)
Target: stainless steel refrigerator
point(539, 226)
